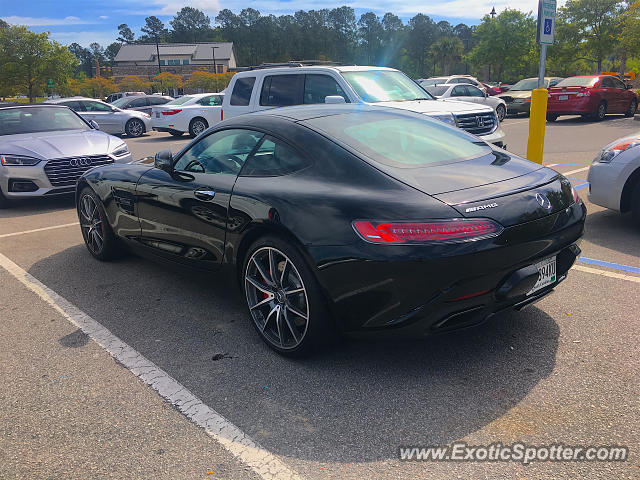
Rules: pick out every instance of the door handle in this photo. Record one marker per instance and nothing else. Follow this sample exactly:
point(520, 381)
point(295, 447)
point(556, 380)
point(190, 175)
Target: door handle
point(204, 195)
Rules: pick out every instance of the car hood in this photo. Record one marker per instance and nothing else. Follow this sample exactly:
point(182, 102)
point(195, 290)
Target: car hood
point(71, 143)
point(515, 94)
point(435, 107)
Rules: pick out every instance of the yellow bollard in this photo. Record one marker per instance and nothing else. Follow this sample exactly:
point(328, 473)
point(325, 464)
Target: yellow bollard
point(537, 124)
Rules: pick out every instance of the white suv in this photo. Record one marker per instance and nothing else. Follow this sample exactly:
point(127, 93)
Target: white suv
point(295, 84)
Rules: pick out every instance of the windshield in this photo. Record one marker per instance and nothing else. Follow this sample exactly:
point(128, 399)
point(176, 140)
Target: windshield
point(14, 121)
point(432, 81)
point(121, 101)
point(385, 86)
point(577, 82)
point(526, 85)
point(437, 91)
point(401, 140)
point(180, 101)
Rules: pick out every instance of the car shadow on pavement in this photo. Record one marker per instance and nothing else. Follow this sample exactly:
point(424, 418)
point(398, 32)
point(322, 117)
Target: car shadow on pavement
point(38, 206)
point(355, 402)
point(613, 231)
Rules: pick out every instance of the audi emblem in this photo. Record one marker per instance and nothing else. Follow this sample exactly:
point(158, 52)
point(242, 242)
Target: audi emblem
point(80, 162)
point(543, 201)
point(480, 121)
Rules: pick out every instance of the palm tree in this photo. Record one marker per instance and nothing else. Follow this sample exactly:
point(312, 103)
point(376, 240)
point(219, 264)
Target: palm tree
point(447, 50)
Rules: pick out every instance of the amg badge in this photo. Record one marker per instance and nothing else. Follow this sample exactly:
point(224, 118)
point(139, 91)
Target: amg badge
point(481, 207)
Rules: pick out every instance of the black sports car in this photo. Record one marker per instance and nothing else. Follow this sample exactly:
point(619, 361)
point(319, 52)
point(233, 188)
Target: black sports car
point(345, 218)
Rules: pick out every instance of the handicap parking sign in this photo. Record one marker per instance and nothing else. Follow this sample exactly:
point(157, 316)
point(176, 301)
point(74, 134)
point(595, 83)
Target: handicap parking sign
point(548, 23)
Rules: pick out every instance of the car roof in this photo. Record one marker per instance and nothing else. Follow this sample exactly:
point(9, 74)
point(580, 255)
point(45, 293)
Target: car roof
point(312, 68)
point(42, 104)
point(66, 99)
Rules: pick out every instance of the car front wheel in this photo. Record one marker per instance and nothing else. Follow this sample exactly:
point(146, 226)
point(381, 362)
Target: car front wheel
point(285, 303)
point(633, 108)
point(96, 231)
point(501, 111)
point(635, 205)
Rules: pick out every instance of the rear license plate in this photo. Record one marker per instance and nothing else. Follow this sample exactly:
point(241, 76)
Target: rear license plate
point(563, 97)
point(546, 274)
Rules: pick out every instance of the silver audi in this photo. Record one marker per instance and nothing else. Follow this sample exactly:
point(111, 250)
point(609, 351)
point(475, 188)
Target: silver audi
point(45, 148)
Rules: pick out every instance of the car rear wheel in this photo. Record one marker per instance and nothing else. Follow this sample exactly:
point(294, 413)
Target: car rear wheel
point(96, 231)
point(501, 112)
point(601, 112)
point(197, 126)
point(134, 128)
point(633, 108)
point(285, 303)
point(552, 117)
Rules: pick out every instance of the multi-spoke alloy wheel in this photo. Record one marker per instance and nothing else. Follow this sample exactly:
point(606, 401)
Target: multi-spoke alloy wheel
point(277, 298)
point(92, 224)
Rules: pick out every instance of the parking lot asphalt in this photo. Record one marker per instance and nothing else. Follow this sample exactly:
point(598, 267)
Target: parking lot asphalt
point(562, 371)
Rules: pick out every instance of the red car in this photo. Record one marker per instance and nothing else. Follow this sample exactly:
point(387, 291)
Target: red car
point(591, 96)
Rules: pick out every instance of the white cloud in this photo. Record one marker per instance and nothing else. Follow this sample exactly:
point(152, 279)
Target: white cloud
point(103, 17)
point(104, 38)
point(44, 21)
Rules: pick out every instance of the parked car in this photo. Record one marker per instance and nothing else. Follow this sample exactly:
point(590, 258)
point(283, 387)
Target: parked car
point(614, 177)
point(466, 79)
point(468, 93)
point(109, 119)
point(591, 96)
point(288, 85)
point(189, 113)
point(115, 96)
point(518, 97)
point(141, 103)
point(497, 88)
point(289, 200)
point(45, 148)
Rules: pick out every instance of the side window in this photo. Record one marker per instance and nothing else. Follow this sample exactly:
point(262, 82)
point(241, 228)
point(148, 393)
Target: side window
point(273, 158)
point(137, 103)
point(607, 82)
point(157, 100)
point(95, 107)
point(459, 91)
point(211, 101)
point(75, 105)
point(617, 83)
point(317, 87)
point(281, 90)
point(221, 153)
point(474, 91)
point(241, 94)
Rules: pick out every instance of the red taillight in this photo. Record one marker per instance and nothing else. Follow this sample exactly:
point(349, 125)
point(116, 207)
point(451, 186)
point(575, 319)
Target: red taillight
point(171, 112)
point(427, 232)
point(221, 115)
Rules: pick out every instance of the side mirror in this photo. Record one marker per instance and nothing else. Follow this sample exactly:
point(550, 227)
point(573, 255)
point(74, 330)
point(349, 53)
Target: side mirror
point(486, 94)
point(94, 125)
point(164, 161)
point(629, 87)
point(334, 99)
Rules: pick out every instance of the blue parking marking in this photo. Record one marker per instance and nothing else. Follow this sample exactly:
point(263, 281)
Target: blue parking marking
point(579, 187)
point(578, 179)
point(616, 266)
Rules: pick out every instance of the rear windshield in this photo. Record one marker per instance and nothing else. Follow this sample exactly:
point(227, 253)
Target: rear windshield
point(401, 141)
point(121, 101)
point(437, 91)
point(525, 85)
point(14, 121)
point(180, 101)
point(577, 82)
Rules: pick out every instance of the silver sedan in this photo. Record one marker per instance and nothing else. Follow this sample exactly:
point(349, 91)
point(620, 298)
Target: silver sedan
point(45, 148)
point(614, 177)
point(468, 93)
point(109, 118)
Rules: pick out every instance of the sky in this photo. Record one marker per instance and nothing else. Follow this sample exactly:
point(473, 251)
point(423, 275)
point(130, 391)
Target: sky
point(90, 21)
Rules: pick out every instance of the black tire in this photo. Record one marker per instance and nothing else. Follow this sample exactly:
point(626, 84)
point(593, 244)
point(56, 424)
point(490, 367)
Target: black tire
point(293, 290)
point(4, 202)
point(197, 126)
point(134, 128)
point(501, 112)
point(175, 133)
point(633, 108)
point(552, 117)
point(635, 205)
point(98, 236)
point(601, 113)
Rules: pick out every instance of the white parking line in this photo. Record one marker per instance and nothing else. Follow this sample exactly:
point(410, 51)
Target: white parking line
point(265, 464)
point(577, 170)
point(14, 234)
point(606, 273)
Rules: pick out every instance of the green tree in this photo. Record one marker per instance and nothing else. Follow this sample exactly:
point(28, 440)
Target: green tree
point(447, 50)
point(370, 32)
point(111, 51)
point(154, 30)
point(29, 59)
point(189, 25)
point(422, 33)
point(596, 22)
point(125, 35)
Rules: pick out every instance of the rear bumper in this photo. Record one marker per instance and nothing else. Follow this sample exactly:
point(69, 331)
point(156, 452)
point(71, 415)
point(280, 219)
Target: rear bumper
point(573, 106)
point(518, 107)
point(426, 290)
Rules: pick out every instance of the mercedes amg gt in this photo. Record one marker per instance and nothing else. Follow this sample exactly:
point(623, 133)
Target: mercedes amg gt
point(345, 218)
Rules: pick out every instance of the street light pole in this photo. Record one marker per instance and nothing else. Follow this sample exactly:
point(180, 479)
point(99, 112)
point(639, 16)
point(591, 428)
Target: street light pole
point(158, 53)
